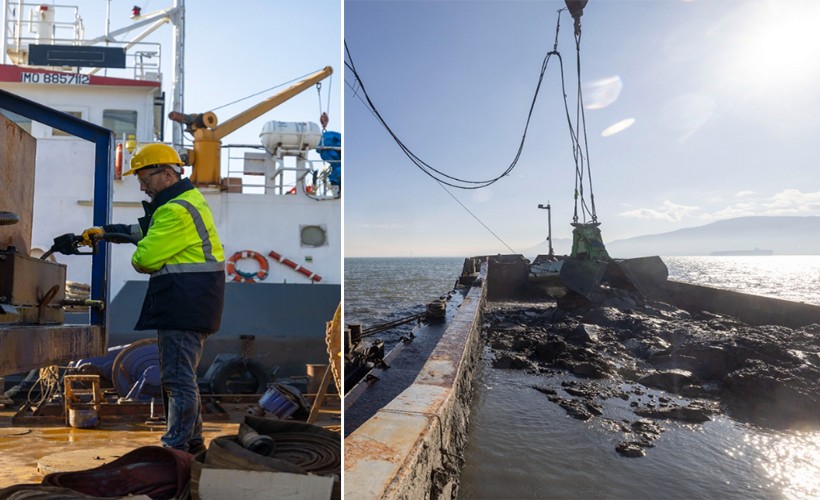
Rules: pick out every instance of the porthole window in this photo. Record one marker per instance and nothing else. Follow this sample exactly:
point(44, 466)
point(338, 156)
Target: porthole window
point(313, 236)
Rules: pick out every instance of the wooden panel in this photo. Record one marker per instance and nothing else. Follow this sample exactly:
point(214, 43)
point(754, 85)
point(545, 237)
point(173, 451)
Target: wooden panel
point(17, 153)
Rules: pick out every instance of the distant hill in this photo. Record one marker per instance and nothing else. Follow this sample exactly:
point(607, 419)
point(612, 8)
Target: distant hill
point(782, 235)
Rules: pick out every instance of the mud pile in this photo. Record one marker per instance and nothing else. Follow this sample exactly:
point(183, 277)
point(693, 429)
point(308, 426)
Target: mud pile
point(665, 362)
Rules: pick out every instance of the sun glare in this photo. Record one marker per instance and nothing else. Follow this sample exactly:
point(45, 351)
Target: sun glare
point(601, 93)
point(773, 44)
point(618, 127)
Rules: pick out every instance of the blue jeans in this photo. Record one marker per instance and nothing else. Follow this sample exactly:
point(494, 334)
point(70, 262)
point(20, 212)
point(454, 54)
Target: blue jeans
point(179, 354)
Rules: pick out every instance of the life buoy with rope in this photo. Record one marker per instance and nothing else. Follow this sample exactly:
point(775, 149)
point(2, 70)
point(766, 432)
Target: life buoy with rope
point(243, 276)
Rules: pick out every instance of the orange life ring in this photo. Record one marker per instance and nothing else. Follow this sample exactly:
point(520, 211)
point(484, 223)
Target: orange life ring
point(246, 277)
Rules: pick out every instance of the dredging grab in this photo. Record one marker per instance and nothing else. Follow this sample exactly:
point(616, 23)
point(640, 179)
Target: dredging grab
point(666, 352)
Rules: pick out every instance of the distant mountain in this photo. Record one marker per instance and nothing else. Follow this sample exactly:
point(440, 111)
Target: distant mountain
point(781, 235)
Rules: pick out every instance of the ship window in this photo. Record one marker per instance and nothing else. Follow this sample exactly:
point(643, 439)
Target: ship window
point(313, 236)
point(59, 133)
point(120, 121)
point(23, 122)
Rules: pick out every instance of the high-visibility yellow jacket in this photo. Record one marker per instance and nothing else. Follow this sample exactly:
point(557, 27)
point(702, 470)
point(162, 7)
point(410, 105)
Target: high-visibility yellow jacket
point(182, 252)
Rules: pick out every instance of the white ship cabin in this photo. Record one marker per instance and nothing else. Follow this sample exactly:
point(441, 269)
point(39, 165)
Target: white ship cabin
point(270, 201)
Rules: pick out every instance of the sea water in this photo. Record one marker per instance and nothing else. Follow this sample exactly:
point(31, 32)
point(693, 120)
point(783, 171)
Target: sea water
point(521, 446)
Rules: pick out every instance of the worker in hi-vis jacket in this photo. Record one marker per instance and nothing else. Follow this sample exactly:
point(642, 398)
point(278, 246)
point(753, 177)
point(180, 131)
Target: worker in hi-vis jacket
point(177, 245)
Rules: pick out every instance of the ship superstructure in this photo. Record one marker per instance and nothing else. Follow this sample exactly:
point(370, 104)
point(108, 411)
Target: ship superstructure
point(277, 204)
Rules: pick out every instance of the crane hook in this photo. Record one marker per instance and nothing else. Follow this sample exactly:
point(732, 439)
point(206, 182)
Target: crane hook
point(576, 10)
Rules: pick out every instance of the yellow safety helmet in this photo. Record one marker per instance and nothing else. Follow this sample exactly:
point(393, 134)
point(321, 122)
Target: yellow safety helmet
point(149, 155)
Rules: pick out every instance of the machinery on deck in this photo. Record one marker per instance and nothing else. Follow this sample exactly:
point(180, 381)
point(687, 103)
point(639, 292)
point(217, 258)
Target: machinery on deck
point(33, 333)
point(208, 133)
point(589, 265)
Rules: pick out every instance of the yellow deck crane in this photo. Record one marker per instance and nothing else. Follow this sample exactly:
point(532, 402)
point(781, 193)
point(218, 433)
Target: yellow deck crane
point(208, 133)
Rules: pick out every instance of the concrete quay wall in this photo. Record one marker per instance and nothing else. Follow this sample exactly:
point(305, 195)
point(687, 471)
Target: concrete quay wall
point(411, 448)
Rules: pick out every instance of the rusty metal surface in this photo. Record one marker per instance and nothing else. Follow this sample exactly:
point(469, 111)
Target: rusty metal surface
point(404, 362)
point(396, 452)
point(32, 315)
point(17, 153)
point(112, 411)
point(26, 281)
point(27, 347)
point(507, 276)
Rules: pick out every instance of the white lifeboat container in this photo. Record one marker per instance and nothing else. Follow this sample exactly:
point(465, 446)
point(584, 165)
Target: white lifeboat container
point(290, 135)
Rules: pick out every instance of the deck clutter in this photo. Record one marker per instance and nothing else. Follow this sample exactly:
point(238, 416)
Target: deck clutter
point(308, 456)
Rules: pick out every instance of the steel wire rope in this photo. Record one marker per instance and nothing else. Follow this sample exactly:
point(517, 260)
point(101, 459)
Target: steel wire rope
point(267, 90)
point(425, 167)
point(319, 92)
point(475, 217)
point(580, 157)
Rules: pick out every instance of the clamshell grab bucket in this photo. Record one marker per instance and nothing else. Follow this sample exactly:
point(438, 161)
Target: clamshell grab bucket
point(644, 274)
point(582, 276)
point(590, 264)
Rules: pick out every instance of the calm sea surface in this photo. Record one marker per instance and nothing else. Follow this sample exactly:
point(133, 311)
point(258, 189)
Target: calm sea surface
point(520, 446)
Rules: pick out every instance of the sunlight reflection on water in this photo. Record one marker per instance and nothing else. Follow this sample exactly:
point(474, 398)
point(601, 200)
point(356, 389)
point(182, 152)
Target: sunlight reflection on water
point(789, 277)
point(521, 446)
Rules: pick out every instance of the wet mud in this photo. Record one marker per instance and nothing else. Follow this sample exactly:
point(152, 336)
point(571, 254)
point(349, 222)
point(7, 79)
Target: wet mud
point(656, 364)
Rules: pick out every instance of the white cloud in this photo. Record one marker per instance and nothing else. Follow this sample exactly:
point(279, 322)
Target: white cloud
point(667, 211)
point(792, 201)
point(786, 202)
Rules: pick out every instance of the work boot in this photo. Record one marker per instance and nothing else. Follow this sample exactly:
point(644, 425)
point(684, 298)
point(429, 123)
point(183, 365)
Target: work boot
point(196, 449)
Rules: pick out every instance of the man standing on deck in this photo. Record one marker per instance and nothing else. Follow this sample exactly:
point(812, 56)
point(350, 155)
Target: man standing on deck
point(179, 248)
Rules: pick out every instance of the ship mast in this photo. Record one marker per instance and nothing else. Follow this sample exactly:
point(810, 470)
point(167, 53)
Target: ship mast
point(178, 82)
point(176, 16)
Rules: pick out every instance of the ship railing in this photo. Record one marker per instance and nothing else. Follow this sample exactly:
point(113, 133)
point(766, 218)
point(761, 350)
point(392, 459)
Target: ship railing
point(22, 29)
point(253, 170)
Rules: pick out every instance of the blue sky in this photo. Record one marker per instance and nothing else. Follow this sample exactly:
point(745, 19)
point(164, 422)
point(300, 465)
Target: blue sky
point(696, 111)
point(234, 50)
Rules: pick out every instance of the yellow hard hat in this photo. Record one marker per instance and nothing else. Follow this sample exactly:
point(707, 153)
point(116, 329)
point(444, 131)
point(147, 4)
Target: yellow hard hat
point(149, 155)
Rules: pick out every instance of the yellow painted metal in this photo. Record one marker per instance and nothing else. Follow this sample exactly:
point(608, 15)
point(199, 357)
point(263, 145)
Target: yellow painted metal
point(333, 339)
point(208, 141)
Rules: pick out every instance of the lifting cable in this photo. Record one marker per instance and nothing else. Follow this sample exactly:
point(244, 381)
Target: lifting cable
point(580, 151)
point(581, 157)
point(475, 217)
point(323, 118)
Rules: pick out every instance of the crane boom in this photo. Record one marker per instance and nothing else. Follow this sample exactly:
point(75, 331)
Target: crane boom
point(205, 157)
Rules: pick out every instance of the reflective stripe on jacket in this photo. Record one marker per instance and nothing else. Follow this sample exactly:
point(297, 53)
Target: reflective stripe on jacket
point(183, 254)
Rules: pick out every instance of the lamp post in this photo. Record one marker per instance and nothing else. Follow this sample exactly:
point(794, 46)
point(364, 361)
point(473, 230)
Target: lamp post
point(549, 225)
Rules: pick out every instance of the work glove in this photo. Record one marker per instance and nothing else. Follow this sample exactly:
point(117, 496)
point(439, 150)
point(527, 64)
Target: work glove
point(92, 234)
